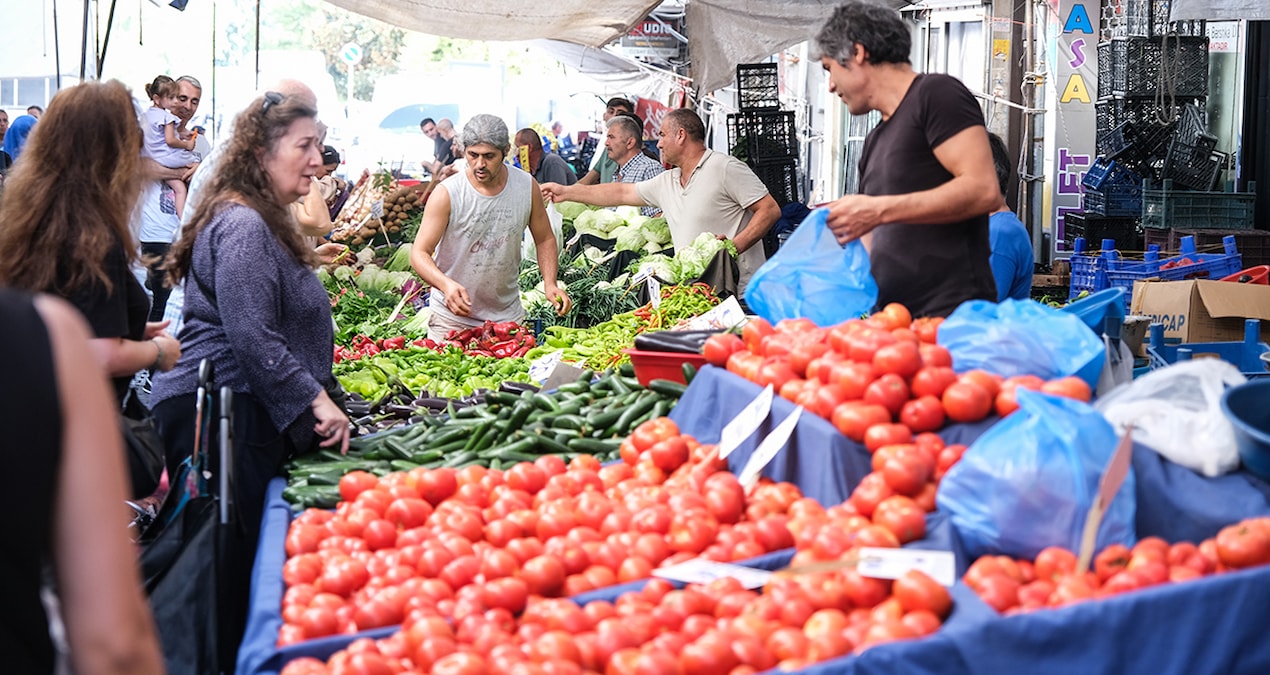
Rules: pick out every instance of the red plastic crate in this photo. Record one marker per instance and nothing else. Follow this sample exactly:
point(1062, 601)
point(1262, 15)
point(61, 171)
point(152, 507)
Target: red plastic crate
point(651, 366)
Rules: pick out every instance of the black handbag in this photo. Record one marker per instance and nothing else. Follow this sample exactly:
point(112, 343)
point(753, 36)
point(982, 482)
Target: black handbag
point(145, 454)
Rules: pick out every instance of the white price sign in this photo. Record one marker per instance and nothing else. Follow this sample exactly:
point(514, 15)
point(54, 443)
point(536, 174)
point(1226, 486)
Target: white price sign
point(746, 422)
point(767, 450)
point(892, 563)
point(702, 571)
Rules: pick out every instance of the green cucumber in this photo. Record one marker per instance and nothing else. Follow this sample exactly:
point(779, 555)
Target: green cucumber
point(668, 388)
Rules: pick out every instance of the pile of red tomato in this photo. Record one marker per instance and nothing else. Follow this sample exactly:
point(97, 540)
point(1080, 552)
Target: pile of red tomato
point(1011, 586)
point(464, 542)
point(867, 372)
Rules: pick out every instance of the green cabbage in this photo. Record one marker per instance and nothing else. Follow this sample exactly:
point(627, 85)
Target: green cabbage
point(656, 230)
point(628, 238)
point(571, 210)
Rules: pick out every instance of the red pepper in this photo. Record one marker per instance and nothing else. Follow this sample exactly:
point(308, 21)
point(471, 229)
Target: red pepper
point(395, 343)
point(524, 349)
point(478, 352)
point(431, 344)
point(504, 349)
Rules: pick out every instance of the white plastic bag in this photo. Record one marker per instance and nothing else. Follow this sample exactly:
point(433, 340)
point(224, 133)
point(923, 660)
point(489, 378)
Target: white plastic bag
point(1118, 369)
point(528, 249)
point(1176, 411)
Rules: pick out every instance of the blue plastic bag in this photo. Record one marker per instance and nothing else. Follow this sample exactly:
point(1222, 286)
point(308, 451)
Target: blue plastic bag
point(1030, 480)
point(1022, 337)
point(814, 276)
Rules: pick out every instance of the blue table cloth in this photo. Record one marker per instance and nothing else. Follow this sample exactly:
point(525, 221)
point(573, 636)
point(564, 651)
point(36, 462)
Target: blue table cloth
point(823, 463)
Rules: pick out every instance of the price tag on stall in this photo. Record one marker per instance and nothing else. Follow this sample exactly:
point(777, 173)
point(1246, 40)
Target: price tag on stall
point(702, 571)
point(542, 367)
point(893, 563)
point(377, 208)
point(746, 422)
point(767, 450)
point(1112, 478)
point(654, 291)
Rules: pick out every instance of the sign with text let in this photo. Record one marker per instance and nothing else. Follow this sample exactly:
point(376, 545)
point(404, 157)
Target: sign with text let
point(1076, 67)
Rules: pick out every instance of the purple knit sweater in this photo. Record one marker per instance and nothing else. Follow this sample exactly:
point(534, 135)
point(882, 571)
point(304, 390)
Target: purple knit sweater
point(268, 333)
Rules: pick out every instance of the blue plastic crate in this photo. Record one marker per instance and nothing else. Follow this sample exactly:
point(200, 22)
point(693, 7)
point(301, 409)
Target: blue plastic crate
point(1246, 355)
point(1122, 274)
point(1114, 201)
point(1089, 270)
point(1106, 172)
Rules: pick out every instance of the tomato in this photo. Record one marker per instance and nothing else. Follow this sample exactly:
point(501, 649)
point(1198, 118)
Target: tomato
point(1111, 560)
point(801, 356)
point(862, 591)
point(902, 517)
point(927, 328)
point(865, 344)
point(894, 315)
point(745, 364)
point(354, 483)
point(933, 380)
point(947, 458)
point(853, 378)
point(989, 382)
point(1000, 592)
point(1054, 562)
point(917, 591)
point(879, 435)
point(935, 356)
point(775, 372)
point(889, 391)
point(720, 346)
point(753, 333)
point(302, 569)
point(669, 454)
point(872, 489)
point(1006, 398)
point(922, 414)
point(902, 358)
point(826, 398)
point(1244, 544)
point(1071, 387)
point(725, 498)
point(342, 577)
point(1071, 589)
point(460, 663)
point(304, 538)
point(437, 485)
point(966, 401)
point(854, 418)
point(906, 471)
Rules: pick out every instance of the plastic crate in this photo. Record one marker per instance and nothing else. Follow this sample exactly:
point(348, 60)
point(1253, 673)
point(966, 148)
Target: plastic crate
point(1138, 146)
point(1089, 270)
point(762, 137)
point(1143, 66)
point(1111, 113)
point(1104, 69)
point(1166, 207)
point(1126, 232)
point(757, 86)
point(1196, 166)
point(781, 180)
point(1192, 125)
point(1114, 200)
point(1106, 172)
point(1123, 274)
point(1253, 245)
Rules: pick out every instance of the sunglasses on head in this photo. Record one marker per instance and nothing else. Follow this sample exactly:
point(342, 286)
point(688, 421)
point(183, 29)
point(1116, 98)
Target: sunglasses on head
point(272, 98)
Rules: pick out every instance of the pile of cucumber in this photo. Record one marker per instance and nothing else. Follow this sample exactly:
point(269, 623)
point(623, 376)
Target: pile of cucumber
point(590, 416)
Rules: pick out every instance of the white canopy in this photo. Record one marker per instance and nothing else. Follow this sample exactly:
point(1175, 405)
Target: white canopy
point(721, 33)
point(584, 22)
point(1216, 10)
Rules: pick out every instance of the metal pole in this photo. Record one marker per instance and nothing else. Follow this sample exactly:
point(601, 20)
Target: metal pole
point(257, 44)
point(105, 41)
point(57, 48)
point(83, 45)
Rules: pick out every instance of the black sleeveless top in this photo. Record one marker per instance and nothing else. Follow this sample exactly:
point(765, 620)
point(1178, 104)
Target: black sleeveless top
point(31, 450)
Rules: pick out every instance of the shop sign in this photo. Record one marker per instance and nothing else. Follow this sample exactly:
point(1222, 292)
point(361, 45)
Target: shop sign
point(1077, 85)
point(652, 112)
point(653, 38)
point(1223, 37)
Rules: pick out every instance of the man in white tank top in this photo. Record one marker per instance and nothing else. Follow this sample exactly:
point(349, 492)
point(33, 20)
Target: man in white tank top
point(468, 246)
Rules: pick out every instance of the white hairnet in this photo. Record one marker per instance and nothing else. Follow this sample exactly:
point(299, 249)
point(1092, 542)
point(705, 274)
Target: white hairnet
point(487, 129)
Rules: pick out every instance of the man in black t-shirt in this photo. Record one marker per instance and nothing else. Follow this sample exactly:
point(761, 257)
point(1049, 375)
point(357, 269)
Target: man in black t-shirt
point(927, 181)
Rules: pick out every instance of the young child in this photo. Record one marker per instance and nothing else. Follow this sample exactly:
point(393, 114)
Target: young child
point(163, 143)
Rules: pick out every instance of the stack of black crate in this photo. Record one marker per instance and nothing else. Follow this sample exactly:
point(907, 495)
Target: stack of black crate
point(1152, 87)
point(764, 136)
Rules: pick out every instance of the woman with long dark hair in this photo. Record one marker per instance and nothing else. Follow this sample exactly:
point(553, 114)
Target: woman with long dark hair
point(65, 215)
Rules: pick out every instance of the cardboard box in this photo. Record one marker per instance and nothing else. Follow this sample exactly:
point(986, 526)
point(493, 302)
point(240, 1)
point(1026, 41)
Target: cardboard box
point(1200, 310)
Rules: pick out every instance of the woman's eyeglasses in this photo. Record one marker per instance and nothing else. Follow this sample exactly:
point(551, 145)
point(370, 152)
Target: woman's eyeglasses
point(272, 98)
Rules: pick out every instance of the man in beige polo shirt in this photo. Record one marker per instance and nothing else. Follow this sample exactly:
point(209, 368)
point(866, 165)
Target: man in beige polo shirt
point(707, 191)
